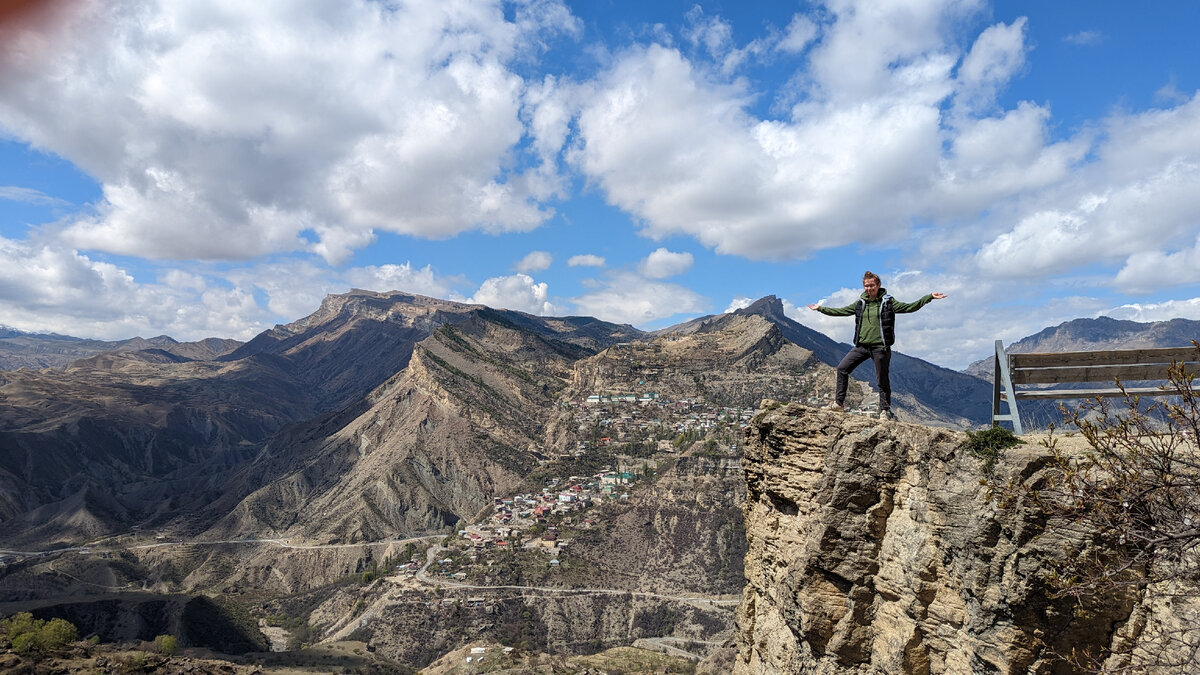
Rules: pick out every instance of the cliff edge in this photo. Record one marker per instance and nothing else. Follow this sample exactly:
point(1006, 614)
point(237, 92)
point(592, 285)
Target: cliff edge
point(873, 548)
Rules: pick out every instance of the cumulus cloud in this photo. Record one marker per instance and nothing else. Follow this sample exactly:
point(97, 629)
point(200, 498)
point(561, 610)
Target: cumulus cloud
point(677, 148)
point(1134, 202)
point(230, 130)
point(536, 261)
point(633, 299)
point(738, 302)
point(401, 277)
point(997, 55)
point(585, 260)
point(46, 288)
point(800, 33)
point(518, 291)
point(1150, 270)
point(662, 263)
point(869, 150)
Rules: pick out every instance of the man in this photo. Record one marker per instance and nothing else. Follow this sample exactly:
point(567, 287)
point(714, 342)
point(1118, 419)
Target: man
point(874, 332)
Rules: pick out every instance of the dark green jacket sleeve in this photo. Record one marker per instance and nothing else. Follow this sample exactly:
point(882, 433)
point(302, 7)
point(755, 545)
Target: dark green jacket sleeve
point(906, 307)
point(848, 310)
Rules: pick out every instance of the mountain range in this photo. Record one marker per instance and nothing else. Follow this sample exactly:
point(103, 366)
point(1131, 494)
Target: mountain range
point(387, 414)
point(383, 417)
point(1100, 333)
point(381, 414)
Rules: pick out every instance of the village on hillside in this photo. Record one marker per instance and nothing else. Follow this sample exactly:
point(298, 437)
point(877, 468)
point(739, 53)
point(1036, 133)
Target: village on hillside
point(636, 436)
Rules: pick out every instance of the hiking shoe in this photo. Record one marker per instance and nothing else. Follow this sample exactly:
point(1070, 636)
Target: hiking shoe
point(836, 407)
point(886, 415)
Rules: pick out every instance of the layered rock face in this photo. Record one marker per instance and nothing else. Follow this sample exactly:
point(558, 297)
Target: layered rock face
point(873, 548)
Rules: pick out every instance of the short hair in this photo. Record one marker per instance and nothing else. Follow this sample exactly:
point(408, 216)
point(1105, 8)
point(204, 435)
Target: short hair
point(871, 275)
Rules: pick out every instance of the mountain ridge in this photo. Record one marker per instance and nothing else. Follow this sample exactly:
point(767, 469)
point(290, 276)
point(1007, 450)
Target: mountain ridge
point(1099, 333)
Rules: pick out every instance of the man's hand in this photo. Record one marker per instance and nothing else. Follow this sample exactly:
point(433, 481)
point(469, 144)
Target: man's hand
point(812, 306)
point(936, 296)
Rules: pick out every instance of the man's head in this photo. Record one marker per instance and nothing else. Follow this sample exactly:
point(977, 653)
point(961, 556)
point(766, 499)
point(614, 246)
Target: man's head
point(871, 284)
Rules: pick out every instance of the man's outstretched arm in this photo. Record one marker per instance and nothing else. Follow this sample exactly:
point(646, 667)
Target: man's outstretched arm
point(904, 307)
point(834, 311)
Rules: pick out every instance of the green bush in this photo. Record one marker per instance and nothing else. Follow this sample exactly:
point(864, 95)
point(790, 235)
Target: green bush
point(22, 622)
point(25, 643)
point(166, 645)
point(990, 443)
point(28, 634)
point(56, 634)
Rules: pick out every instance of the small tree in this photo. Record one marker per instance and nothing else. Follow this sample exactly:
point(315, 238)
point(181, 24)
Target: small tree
point(19, 624)
point(56, 634)
point(166, 645)
point(29, 635)
point(1137, 490)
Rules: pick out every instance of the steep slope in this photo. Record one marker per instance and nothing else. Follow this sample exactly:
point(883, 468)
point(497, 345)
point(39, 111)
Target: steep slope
point(353, 342)
point(465, 420)
point(683, 533)
point(151, 435)
point(116, 425)
point(728, 360)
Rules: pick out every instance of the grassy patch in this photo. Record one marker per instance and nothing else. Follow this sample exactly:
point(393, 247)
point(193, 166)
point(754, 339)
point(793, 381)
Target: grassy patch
point(990, 443)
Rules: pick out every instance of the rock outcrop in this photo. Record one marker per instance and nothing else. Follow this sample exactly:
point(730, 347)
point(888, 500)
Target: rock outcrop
point(874, 548)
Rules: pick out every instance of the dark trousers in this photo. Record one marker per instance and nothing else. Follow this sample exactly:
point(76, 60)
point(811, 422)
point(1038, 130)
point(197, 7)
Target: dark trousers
point(882, 356)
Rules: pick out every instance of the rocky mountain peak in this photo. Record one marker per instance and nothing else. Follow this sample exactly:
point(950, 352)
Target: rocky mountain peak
point(769, 307)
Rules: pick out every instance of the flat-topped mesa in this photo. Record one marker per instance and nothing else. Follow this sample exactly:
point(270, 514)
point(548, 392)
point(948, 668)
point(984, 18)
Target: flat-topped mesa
point(389, 306)
point(873, 548)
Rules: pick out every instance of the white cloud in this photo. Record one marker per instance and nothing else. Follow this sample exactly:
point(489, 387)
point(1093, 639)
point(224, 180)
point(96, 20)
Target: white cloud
point(535, 261)
point(586, 260)
point(1158, 311)
point(662, 263)
point(997, 55)
point(630, 298)
point(29, 196)
point(713, 34)
point(870, 150)
point(799, 34)
point(44, 288)
point(738, 302)
point(228, 130)
point(1150, 270)
point(1169, 94)
point(518, 291)
point(403, 277)
point(898, 49)
point(1130, 219)
point(1084, 37)
point(678, 150)
point(995, 158)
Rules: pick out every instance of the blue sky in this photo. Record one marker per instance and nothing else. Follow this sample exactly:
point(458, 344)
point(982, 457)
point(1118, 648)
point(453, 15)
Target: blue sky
point(209, 168)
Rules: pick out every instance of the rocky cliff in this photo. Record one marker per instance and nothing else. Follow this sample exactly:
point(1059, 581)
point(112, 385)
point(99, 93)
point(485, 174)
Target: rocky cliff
point(873, 548)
